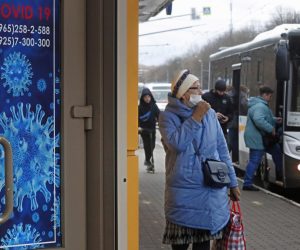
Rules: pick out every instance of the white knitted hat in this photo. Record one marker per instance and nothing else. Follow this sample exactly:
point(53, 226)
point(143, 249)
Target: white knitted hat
point(182, 83)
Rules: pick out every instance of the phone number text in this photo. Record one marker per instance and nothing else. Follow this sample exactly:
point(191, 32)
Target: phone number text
point(25, 41)
point(24, 29)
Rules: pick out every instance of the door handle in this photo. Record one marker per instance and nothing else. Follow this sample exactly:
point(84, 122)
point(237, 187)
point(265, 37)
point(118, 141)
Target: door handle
point(8, 180)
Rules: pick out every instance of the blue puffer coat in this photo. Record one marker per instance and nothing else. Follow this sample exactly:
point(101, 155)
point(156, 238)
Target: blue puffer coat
point(259, 113)
point(188, 202)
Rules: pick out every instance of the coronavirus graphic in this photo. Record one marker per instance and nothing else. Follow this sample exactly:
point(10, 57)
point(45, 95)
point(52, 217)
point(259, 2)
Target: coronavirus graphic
point(35, 157)
point(35, 217)
point(55, 217)
point(2, 176)
point(41, 85)
point(17, 73)
point(57, 80)
point(18, 237)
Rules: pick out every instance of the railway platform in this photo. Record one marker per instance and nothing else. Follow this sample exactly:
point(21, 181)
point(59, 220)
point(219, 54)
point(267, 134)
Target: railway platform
point(270, 221)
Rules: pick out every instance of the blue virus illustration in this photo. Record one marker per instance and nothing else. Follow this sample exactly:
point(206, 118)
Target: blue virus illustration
point(17, 73)
point(2, 176)
point(18, 237)
point(41, 85)
point(35, 217)
point(57, 80)
point(35, 157)
point(55, 217)
point(55, 175)
point(45, 208)
point(50, 234)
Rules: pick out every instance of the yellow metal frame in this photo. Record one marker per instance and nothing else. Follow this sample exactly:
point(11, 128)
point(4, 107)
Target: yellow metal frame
point(132, 125)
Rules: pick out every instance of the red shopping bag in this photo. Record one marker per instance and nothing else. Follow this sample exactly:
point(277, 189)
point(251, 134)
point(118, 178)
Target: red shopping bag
point(234, 237)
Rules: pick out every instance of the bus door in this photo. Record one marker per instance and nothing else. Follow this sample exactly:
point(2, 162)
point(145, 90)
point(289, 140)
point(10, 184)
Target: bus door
point(34, 127)
point(234, 128)
point(289, 81)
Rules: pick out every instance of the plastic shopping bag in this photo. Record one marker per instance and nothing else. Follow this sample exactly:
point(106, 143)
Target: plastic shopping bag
point(234, 237)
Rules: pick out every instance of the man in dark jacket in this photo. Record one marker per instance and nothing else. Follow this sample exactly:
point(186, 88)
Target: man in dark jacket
point(148, 117)
point(221, 103)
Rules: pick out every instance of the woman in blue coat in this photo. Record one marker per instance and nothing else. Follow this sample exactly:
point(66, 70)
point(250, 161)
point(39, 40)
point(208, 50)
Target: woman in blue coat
point(195, 213)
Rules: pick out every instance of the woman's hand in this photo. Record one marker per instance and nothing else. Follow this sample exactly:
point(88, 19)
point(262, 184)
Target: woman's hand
point(200, 110)
point(235, 194)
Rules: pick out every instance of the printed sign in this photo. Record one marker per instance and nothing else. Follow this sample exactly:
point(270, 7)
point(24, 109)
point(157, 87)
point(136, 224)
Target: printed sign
point(206, 11)
point(30, 121)
point(293, 119)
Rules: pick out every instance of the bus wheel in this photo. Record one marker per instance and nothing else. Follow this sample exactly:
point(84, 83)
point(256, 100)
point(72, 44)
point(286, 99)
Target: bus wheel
point(264, 172)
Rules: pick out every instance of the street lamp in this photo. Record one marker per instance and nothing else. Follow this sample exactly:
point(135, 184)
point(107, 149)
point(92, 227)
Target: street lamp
point(201, 69)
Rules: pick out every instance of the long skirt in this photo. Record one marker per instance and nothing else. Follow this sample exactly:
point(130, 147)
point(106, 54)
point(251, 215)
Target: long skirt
point(176, 234)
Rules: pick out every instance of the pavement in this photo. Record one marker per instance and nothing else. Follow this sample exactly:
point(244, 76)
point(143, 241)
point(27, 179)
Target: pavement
point(270, 221)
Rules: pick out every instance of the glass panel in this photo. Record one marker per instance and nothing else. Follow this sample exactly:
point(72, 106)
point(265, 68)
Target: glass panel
point(243, 101)
point(293, 100)
point(30, 120)
point(160, 96)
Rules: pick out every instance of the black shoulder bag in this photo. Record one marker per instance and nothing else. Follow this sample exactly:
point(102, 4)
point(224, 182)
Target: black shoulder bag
point(215, 172)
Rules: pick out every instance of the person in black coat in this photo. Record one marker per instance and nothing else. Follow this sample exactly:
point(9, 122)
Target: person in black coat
point(148, 117)
point(221, 103)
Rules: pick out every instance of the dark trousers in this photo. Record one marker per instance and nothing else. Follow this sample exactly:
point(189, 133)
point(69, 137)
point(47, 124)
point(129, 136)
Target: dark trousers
point(233, 142)
point(148, 137)
point(205, 245)
point(255, 159)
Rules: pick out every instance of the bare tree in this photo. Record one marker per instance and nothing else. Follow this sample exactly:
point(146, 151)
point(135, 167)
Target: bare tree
point(197, 58)
point(283, 15)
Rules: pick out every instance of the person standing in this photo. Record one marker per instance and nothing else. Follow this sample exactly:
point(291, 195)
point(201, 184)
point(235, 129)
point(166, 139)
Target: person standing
point(260, 121)
point(233, 133)
point(148, 113)
point(195, 213)
point(221, 103)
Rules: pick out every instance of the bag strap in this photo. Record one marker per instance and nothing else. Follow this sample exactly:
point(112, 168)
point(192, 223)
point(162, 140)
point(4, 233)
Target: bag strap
point(235, 207)
point(201, 139)
point(260, 131)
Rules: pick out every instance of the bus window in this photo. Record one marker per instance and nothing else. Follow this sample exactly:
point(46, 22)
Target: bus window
point(293, 105)
point(259, 71)
point(244, 94)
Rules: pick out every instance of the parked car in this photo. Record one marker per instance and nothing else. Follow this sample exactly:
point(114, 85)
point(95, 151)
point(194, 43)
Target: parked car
point(160, 92)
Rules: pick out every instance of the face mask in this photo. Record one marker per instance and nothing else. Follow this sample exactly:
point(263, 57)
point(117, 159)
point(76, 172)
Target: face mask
point(194, 100)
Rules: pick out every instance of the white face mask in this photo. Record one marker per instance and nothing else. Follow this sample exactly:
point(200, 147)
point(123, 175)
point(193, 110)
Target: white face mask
point(194, 100)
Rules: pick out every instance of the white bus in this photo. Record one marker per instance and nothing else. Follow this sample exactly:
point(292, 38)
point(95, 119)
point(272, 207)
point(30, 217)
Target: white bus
point(272, 58)
point(160, 92)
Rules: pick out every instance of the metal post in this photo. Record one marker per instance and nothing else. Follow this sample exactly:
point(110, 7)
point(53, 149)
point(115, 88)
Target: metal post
point(231, 24)
point(201, 69)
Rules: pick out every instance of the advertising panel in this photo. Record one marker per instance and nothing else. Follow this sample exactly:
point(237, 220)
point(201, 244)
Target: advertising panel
point(30, 120)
